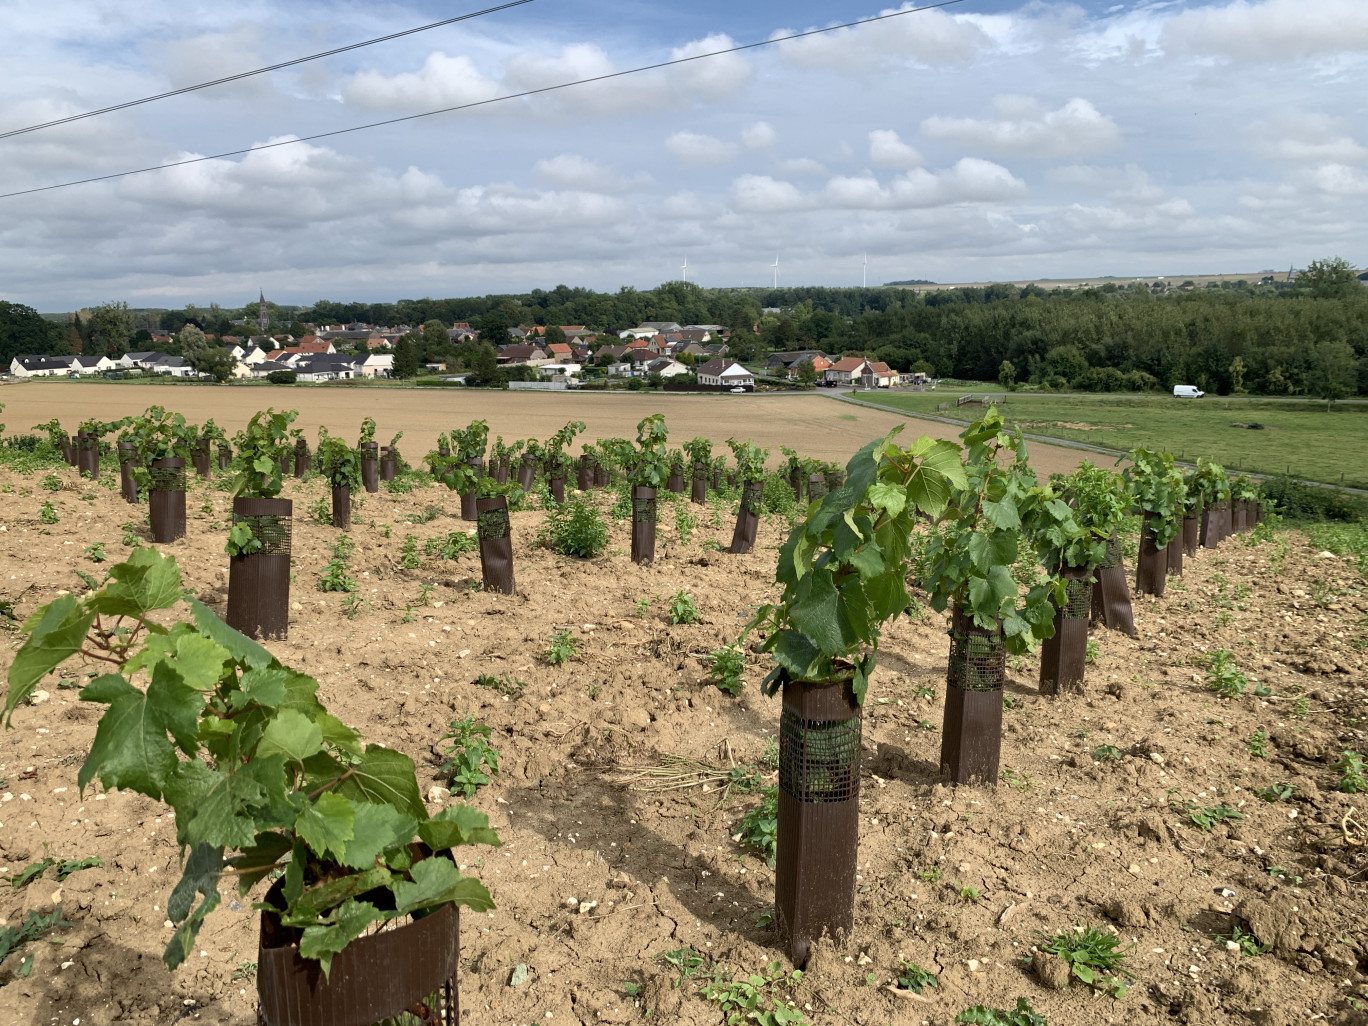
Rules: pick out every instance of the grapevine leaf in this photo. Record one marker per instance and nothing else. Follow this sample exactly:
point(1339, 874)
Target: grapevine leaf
point(317, 900)
point(385, 777)
point(265, 687)
point(130, 749)
point(56, 632)
point(888, 497)
point(437, 881)
point(796, 653)
point(348, 923)
point(210, 810)
point(201, 876)
point(242, 648)
point(457, 825)
point(327, 825)
point(337, 733)
point(293, 735)
point(376, 828)
point(176, 705)
point(887, 595)
point(815, 614)
point(145, 582)
point(1002, 514)
point(259, 859)
point(106, 688)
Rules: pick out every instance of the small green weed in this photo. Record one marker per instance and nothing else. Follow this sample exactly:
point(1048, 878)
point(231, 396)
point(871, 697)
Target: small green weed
point(450, 546)
point(1022, 1015)
point(426, 517)
point(641, 606)
point(563, 648)
point(352, 606)
point(1257, 743)
point(468, 756)
point(682, 608)
point(1093, 651)
point(1350, 769)
point(1223, 676)
point(1205, 817)
point(759, 829)
point(1023, 782)
point(1248, 944)
point(726, 666)
point(409, 557)
point(967, 894)
point(244, 970)
point(688, 961)
point(47, 513)
point(764, 918)
point(755, 998)
point(1093, 957)
point(95, 552)
point(130, 535)
point(1106, 753)
point(1275, 792)
point(685, 522)
point(926, 725)
point(914, 978)
point(321, 512)
point(51, 483)
point(931, 874)
point(505, 684)
point(34, 927)
point(574, 528)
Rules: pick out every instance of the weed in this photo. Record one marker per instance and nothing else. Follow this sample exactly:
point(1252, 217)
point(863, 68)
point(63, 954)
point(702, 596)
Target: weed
point(685, 522)
point(967, 894)
point(1093, 651)
point(563, 648)
point(1022, 1015)
point(245, 970)
point(321, 511)
point(760, 826)
point(926, 725)
point(686, 960)
point(34, 927)
point(1300, 708)
point(95, 552)
point(1350, 769)
point(352, 606)
point(682, 608)
point(426, 517)
point(641, 606)
point(47, 513)
point(1009, 703)
point(1276, 792)
point(130, 536)
point(1023, 782)
point(505, 684)
point(726, 665)
point(574, 528)
point(931, 874)
point(1093, 957)
point(914, 978)
point(450, 546)
point(764, 918)
point(468, 755)
point(409, 557)
point(1248, 944)
point(769, 754)
point(387, 532)
point(712, 545)
point(51, 483)
point(424, 593)
point(1107, 753)
point(1223, 676)
point(1257, 743)
point(746, 1000)
point(925, 692)
point(335, 576)
point(1205, 817)
point(408, 615)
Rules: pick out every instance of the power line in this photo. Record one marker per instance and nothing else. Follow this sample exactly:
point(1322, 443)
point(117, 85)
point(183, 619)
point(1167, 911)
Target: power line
point(260, 71)
point(474, 104)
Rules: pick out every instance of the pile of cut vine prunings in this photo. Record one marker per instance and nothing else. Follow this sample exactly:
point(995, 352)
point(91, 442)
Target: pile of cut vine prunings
point(1210, 834)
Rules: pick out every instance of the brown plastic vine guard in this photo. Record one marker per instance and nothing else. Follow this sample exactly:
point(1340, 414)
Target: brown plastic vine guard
point(408, 967)
point(1151, 566)
point(556, 484)
point(1191, 531)
point(971, 734)
point(584, 475)
point(87, 455)
point(1174, 556)
point(496, 544)
point(1210, 535)
point(600, 476)
point(699, 492)
point(468, 505)
point(643, 524)
point(341, 507)
point(259, 582)
point(819, 814)
point(69, 450)
point(527, 470)
point(747, 518)
point(389, 463)
point(199, 456)
point(1111, 604)
point(225, 456)
point(1064, 657)
point(675, 482)
point(817, 487)
point(128, 487)
point(166, 500)
point(303, 459)
point(370, 466)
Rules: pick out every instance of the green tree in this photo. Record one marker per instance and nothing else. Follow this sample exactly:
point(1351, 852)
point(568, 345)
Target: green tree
point(1066, 361)
point(111, 326)
point(807, 374)
point(298, 329)
point(214, 361)
point(406, 358)
point(1334, 371)
point(554, 335)
point(1237, 373)
point(1007, 375)
point(435, 336)
point(494, 328)
point(192, 343)
point(1329, 279)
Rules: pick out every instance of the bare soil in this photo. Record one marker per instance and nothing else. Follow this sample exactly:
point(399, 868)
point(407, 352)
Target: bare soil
point(1063, 841)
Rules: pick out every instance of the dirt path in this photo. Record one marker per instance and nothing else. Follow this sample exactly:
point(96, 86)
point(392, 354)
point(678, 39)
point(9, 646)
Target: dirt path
point(812, 424)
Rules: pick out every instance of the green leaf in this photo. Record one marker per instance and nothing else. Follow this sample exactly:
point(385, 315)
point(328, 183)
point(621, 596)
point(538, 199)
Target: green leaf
point(437, 881)
point(201, 876)
point(264, 686)
point(385, 777)
point(259, 859)
point(815, 614)
point(349, 922)
point(796, 653)
point(338, 734)
point(326, 825)
point(293, 735)
point(176, 705)
point(130, 749)
point(457, 825)
point(55, 633)
point(376, 828)
point(319, 899)
point(888, 497)
point(145, 582)
point(30, 873)
point(242, 648)
point(210, 801)
point(1003, 515)
point(107, 688)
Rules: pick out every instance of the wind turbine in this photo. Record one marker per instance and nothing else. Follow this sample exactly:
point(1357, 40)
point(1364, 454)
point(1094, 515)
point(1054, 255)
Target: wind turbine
point(686, 267)
point(864, 282)
point(776, 270)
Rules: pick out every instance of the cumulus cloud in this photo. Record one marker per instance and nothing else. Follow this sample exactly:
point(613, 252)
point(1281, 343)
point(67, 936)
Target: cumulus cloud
point(930, 38)
point(1025, 128)
point(1340, 180)
point(887, 150)
point(1272, 31)
point(766, 195)
point(571, 171)
point(1303, 136)
point(759, 136)
point(442, 81)
point(970, 180)
point(801, 166)
point(693, 148)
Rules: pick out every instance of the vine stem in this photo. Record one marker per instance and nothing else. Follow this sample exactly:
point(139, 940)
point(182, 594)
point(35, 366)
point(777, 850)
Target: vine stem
point(332, 784)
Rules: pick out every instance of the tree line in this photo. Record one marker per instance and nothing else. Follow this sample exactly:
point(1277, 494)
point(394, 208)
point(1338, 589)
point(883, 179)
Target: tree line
point(1308, 336)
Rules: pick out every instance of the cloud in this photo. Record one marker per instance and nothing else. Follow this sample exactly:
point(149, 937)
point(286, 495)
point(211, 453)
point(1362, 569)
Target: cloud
point(759, 136)
point(692, 148)
point(1301, 136)
point(887, 150)
point(970, 180)
point(801, 166)
point(1026, 129)
point(930, 38)
point(570, 171)
point(1275, 31)
point(1340, 180)
point(441, 82)
point(763, 194)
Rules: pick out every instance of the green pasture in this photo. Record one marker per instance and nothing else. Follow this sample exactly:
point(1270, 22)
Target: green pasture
point(1297, 438)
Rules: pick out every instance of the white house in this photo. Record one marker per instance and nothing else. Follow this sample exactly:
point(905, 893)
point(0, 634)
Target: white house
point(175, 366)
point(720, 371)
point(322, 367)
point(38, 367)
point(666, 367)
point(556, 371)
point(139, 361)
point(375, 365)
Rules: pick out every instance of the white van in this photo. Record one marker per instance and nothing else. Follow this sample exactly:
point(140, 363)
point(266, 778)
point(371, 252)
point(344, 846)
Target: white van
point(1187, 392)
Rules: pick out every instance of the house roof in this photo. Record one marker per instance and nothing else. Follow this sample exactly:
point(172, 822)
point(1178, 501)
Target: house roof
point(735, 370)
point(558, 349)
point(658, 325)
point(522, 352)
point(849, 364)
point(641, 356)
point(713, 367)
point(881, 368)
point(39, 361)
point(796, 356)
point(323, 363)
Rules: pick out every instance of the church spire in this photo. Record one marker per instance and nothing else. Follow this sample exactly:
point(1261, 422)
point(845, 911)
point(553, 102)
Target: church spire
point(263, 315)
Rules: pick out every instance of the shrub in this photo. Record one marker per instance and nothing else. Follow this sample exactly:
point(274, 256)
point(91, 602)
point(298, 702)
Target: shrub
point(574, 528)
point(282, 377)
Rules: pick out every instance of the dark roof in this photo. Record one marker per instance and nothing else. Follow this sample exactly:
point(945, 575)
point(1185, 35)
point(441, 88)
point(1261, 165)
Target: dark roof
point(39, 361)
point(797, 356)
point(713, 367)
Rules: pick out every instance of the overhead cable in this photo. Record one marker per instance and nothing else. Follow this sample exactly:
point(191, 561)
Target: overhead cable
point(476, 103)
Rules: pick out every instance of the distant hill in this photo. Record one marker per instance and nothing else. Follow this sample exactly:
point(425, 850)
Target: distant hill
point(910, 281)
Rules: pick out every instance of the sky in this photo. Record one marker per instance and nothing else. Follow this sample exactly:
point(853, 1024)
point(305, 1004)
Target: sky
point(980, 141)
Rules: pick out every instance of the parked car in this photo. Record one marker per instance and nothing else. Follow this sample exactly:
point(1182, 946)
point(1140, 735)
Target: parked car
point(738, 390)
point(1187, 392)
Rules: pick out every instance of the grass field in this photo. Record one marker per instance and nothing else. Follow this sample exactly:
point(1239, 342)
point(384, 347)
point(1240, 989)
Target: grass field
point(1297, 438)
